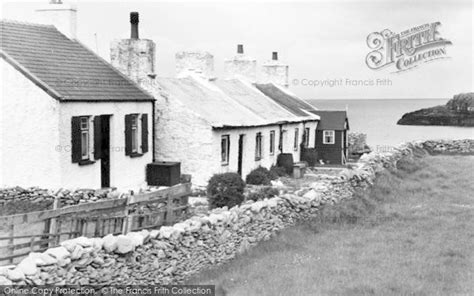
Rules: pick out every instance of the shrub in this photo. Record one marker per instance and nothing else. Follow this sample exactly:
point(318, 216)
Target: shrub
point(225, 190)
point(262, 193)
point(259, 176)
point(277, 171)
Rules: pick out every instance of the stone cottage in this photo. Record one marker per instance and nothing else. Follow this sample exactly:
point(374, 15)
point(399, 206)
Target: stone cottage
point(212, 125)
point(68, 118)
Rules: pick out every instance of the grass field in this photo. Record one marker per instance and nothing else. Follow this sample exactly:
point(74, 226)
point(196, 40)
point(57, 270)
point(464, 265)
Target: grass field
point(413, 234)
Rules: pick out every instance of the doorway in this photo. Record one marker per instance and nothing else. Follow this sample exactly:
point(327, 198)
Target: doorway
point(240, 155)
point(105, 151)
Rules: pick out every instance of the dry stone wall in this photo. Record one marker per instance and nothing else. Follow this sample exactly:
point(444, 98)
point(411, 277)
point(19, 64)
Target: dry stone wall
point(172, 253)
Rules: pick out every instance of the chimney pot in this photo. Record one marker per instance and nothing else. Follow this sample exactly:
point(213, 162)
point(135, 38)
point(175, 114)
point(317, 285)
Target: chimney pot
point(275, 56)
point(134, 19)
point(240, 48)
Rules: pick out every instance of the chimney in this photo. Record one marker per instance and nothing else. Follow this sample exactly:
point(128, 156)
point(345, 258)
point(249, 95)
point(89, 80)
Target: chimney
point(241, 66)
point(61, 15)
point(199, 62)
point(134, 23)
point(134, 57)
point(274, 71)
point(240, 48)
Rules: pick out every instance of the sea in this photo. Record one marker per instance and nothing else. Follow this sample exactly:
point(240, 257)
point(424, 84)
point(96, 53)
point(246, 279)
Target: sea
point(378, 119)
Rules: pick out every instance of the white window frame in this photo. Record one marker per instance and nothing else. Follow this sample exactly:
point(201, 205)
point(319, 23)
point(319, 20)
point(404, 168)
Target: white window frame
point(85, 137)
point(306, 134)
point(332, 136)
point(297, 136)
point(272, 142)
point(225, 145)
point(135, 133)
point(258, 146)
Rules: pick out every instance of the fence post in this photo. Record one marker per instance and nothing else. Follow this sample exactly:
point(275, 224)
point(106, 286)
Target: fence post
point(53, 225)
point(169, 210)
point(11, 242)
point(128, 219)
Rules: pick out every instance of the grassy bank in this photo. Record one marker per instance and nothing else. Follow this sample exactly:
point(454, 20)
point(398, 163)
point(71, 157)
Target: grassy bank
point(413, 234)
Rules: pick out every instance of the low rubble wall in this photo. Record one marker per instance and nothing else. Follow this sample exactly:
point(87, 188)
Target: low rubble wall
point(172, 253)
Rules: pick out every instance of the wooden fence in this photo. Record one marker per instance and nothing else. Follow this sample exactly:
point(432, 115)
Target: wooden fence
point(37, 231)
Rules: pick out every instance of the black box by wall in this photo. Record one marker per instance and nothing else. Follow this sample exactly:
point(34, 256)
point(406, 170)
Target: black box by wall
point(163, 173)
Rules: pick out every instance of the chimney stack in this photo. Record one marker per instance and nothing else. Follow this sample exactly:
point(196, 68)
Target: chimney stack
point(134, 19)
point(61, 15)
point(274, 71)
point(134, 57)
point(197, 62)
point(241, 66)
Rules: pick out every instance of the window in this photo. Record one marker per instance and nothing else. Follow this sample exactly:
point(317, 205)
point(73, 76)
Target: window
point(134, 127)
point(81, 135)
point(136, 134)
point(272, 142)
point(84, 138)
point(258, 146)
point(306, 137)
point(328, 137)
point(225, 145)
point(295, 144)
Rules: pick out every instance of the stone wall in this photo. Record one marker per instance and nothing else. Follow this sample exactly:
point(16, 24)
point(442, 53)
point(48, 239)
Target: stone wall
point(172, 253)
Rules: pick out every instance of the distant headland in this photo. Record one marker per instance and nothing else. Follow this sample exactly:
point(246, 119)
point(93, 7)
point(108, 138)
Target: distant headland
point(459, 111)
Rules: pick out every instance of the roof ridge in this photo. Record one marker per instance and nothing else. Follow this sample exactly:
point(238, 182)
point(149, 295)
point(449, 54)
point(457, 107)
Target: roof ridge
point(25, 23)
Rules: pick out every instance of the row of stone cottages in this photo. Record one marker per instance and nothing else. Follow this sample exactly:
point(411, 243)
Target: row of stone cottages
point(71, 119)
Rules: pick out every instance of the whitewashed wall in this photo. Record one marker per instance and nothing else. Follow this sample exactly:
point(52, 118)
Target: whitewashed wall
point(30, 132)
point(125, 172)
point(249, 162)
point(181, 135)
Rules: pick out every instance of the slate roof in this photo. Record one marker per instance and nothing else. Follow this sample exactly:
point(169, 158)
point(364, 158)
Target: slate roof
point(254, 100)
point(286, 99)
point(226, 103)
point(64, 68)
point(332, 120)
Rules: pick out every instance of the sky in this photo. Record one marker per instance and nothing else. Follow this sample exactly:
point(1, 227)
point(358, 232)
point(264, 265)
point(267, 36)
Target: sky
point(323, 42)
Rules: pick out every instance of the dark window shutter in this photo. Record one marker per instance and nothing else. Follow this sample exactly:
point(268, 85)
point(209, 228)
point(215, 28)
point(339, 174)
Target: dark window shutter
point(144, 133)
point(97, 138)
point(128, 134)
point(76, 139)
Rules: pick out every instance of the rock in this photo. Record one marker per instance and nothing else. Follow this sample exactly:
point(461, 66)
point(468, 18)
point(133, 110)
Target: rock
point(60, 253)
point(81, 241)
point(154, 233)
point(312, 196)
point(166, 231)
point(27, 266)
point(98, 261)
point(137, 238)
point(109, 243)
point(15, 275)
point(42, 259)
point(124, 245)
point(77, 252)
point(97, 243)
point(161, 254)
point(5, 281)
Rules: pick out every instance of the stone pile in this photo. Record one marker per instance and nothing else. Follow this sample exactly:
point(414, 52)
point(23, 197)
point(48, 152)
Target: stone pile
point(450, 146)
point(172, 253)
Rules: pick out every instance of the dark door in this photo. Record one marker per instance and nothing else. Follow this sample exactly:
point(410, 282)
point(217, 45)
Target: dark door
point(240, 156)
point(105, 147)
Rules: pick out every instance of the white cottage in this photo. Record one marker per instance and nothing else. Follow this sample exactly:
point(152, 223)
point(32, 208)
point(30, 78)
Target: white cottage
point(212, 125)
point(69, 119)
